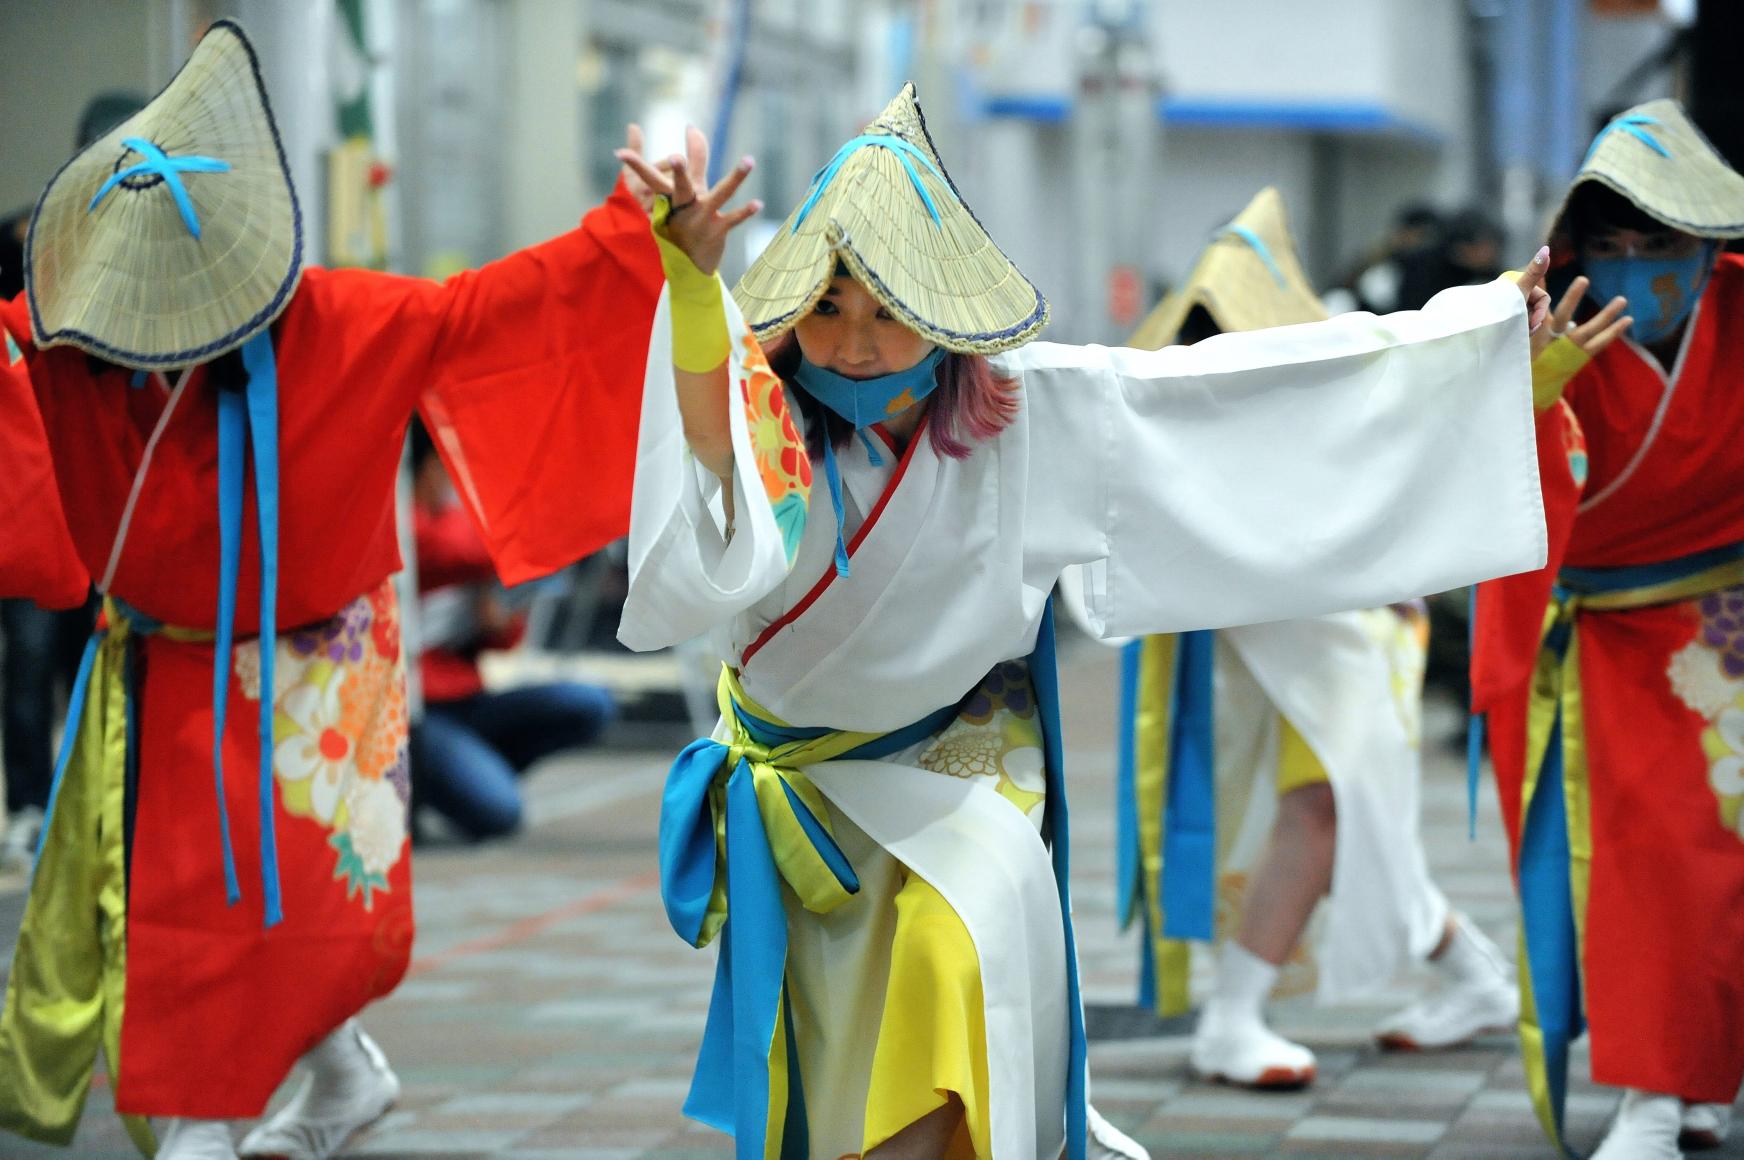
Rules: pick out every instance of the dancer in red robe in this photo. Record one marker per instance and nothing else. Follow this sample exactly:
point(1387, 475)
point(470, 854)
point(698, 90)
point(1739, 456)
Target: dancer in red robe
point(224, 881)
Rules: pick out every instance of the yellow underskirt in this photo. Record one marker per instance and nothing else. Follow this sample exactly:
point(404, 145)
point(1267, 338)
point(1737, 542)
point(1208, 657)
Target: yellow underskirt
point(932, 1039)
point(1297, 765)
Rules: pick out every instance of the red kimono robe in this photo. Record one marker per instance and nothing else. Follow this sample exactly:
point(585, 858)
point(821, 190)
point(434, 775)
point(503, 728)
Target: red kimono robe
point(1617, 677)
point(529, 372)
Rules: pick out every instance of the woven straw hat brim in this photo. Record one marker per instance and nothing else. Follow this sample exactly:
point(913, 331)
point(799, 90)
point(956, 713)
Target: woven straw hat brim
point(1235, 285)
point(944, 279)
point(1693, 189)
point(127, 281)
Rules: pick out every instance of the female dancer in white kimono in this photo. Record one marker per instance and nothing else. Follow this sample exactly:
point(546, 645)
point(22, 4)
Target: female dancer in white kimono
point(877, 831)
point(1295, 746)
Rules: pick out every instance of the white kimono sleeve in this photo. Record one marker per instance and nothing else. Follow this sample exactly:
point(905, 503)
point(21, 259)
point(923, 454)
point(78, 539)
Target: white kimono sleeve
point(687, 575)
point(1291, 472)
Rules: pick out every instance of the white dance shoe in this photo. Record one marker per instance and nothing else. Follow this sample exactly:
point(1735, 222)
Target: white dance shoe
point(1478, 995)
point(1249, 1054)
point(349, 1086)
point(1705, 1126)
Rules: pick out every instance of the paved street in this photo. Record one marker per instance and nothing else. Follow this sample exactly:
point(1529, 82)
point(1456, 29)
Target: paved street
point(551, 1013)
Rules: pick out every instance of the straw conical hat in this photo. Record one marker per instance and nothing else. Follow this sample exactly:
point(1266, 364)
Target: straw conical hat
point(1654, 155)
point(1247, 278)
point(893, 217)
point(118, 268)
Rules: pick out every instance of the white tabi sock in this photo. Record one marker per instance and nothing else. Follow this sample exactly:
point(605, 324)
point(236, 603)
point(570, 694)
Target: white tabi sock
point(1244, 980)
point(1646, 1128)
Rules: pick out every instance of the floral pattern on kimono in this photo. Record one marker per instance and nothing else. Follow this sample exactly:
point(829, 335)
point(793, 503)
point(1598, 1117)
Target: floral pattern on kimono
point(340, 732)
point(782, 464)
point(997, 738)
point(1707, 674)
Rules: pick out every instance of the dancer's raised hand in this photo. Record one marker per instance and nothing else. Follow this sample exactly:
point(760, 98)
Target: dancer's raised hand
point(698, 220)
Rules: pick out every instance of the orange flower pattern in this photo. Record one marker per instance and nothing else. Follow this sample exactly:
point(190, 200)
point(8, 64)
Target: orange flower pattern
point(339, 732)
point(779, 451)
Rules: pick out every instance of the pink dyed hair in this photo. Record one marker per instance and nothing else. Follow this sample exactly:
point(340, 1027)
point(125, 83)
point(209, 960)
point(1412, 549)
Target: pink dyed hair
point(971, 404)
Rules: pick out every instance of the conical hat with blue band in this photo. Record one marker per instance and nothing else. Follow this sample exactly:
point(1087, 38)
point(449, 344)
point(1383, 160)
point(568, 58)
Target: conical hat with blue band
point(1654, 155)
point(885, 208)
point(176, 236)
point(1247, 278)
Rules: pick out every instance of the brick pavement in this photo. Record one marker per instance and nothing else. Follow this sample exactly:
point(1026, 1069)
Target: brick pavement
point(551, 1014)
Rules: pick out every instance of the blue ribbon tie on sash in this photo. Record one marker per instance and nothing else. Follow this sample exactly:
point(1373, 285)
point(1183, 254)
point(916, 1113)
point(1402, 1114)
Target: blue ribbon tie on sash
point(749, 1006)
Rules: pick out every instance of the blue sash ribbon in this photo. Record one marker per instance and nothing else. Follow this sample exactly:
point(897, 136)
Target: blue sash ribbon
point(245, 417)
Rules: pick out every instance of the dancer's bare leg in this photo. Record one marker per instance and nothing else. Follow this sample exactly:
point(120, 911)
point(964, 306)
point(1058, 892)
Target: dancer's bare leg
point(1294, 874)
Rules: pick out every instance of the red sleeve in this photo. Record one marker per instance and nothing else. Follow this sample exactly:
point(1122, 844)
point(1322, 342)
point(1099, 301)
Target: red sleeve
point(37, 557)
point(535, 398)
point(528, 372)
point(1509, 617)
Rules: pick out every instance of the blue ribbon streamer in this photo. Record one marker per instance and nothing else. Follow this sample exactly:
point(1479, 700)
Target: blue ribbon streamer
point(232, 437)
point(905, 151)
point(263, 425)
point(1547, 910)
point(159, 164)
point(1259, 247)
point(1189, 874)
point(1044, 673)
point(1129, 866)
point(250, 416)
point(833, 475)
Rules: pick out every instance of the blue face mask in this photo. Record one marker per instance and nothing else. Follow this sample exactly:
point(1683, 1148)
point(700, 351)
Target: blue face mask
point(1661, 291)
point(863, 402)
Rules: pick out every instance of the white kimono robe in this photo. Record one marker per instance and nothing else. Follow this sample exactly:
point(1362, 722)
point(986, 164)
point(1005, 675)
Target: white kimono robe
point(1257, 476)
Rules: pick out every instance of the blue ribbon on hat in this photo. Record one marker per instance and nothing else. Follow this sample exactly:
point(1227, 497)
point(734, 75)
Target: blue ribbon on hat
point(1632, 125)
point(1259, 247)
point(905, 151)
point(169, 169)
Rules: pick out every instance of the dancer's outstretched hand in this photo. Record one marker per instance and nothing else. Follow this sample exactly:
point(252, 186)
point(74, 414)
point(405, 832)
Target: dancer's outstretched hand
point(1531, 285)
point(699, 221)
point(1597, 332)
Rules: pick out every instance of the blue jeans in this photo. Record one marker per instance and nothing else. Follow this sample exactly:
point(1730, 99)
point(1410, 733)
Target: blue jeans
point(468, 754)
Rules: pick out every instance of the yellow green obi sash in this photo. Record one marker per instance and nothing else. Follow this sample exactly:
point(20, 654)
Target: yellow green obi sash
point(1555, 860)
